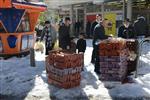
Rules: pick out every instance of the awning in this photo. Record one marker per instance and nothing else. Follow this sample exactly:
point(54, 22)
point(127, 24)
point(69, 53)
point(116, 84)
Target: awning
point(30, 5)
point(40, 6)
point(57, 3)
point(104, 1)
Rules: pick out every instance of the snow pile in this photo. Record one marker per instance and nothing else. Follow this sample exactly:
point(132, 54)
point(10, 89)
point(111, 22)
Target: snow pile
point(142, 86)
point(18, 78)
point(144, 65)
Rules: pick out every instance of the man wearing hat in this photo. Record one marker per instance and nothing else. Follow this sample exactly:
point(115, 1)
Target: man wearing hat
point(64, 34)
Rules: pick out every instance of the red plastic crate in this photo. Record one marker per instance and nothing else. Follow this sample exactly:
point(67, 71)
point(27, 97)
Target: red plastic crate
point(64, 68)
point(66, 85)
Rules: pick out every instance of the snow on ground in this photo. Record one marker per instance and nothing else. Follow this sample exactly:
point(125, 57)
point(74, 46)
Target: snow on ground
point(18, 80)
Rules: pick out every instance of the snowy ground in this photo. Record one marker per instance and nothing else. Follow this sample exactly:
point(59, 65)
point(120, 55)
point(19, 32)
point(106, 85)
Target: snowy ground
point(19, 81)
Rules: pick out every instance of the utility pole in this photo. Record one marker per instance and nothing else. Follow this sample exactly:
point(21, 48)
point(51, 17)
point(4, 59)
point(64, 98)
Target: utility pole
point(32, 57)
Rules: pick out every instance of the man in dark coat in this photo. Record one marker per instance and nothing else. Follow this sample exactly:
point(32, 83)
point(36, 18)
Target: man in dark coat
point(126, 30)
point(98, 21)
point(49, 35)
point(77, 28)
point(141, 27)
point(99, 34)
point(88, 26)
point(64, 34)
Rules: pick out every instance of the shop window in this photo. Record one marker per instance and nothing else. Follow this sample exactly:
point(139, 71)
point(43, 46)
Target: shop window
point(31, 41)
point(2, 29)
point(24, 42)
point(25, 24)
point(27, 42)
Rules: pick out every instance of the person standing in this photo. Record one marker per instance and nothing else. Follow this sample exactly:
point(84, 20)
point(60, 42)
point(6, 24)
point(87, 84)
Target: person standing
point(88, 26)
point(77, 28)
point(141, 27)
point(99, 34)
point(126, 30)
point(64, 34)
point(81, 44)
point(39, 29)
point(97, 21)
point(49, 35)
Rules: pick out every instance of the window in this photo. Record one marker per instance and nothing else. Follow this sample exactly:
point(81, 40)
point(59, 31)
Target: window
point(24, 25)
point(2, 29)
point(31, 41)
point(24, 42)
point(27, 42)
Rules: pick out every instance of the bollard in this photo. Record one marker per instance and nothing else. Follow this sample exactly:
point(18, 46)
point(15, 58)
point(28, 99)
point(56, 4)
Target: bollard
point(32, 57)
point(1, 63)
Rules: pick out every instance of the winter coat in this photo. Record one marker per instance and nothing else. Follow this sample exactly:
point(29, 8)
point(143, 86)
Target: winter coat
point(64, 36)
point(88, 26)
point(77, 25)
point(81, 45)
point(93, 27)
point(141, 27)
point(126, 32)
point(49, 35)
point(99, 33)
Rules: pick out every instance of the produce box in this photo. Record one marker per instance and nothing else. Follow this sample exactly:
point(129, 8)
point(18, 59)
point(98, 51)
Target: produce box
point(113, 55)
point(64, 68)
point(112, 77)
point(66, 85)
point(113, 52)
point(112, 44)
point(113, 58)
point(132, 44)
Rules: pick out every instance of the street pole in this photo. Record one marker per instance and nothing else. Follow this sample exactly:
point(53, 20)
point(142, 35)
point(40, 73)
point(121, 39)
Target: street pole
point(71, 17)
point(32, 57)
point(85, 20)
point(129, 9)
point(124, 9)
point(102, 9)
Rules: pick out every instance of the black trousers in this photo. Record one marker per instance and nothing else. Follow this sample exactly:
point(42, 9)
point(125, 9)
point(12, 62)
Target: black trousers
point(93, 58)
point(97, 60)
point(49, 49)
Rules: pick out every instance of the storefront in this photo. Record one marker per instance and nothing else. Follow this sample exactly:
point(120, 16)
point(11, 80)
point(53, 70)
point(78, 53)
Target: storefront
point(86, 11)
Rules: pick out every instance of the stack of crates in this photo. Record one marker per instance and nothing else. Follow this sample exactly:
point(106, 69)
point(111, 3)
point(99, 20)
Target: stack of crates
point(113, 59)
point(64, 68)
